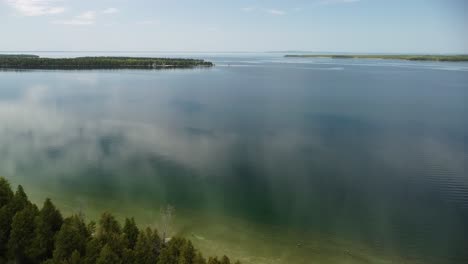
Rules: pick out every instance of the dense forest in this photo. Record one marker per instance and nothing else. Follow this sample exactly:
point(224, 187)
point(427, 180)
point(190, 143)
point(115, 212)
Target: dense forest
point(23, 61)
point(30, 235)
point(453, 58)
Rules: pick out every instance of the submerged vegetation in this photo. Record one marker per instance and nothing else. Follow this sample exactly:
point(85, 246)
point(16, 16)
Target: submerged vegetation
point(31, 235)
point(388, 57)
point(23, 61)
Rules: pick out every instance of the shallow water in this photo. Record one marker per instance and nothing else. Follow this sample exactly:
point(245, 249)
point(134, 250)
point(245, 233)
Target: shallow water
point(268, 159)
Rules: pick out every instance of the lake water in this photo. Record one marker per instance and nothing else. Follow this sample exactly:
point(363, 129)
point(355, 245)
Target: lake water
point(265, 158)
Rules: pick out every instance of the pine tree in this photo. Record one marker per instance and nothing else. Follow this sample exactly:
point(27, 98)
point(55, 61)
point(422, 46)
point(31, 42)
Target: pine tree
point(147, 247)
point(93, 249)
point(187, 253)
point(128, 256)
point(107, 256)
point(20, 200)
point(22, 234)
point(171, 253)
point(48, 223)
point(110, 233)
point(213, 260)
point(131, 232)
point(72, 236)
point(199, 259)
point(225, 260)
point(17, 203)
point(108, 227)
point(6, 194)
point(75, 258)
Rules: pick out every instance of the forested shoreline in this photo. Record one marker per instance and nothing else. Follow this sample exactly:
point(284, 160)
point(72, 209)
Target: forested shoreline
point(453, 58)
point(24, 61)
point(29, 235)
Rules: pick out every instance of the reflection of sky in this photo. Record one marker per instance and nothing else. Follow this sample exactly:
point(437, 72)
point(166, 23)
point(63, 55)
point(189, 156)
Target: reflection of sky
point(275, 145)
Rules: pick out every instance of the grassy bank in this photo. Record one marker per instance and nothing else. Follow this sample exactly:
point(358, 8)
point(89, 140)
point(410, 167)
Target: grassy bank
point(453, 58)
point(23, 61)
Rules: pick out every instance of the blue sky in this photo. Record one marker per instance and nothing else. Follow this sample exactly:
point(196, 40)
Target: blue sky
point(397, 26)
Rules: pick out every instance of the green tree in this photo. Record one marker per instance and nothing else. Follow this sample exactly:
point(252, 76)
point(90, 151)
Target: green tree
point(225, 260)
point(22, 234)
point(6, 194)
point(48, 223)
point(128, 256)
point(131, 232)
point(107, 256)
point(147, 247)
point(213, 260)
point(17, 203)
point(109, 233)
point(187, 253)
point(72, 236)
point(170, 254)
point(93, 249)
point(199, 259)
point(108, 226)
point(75, 258)
point(20, 200)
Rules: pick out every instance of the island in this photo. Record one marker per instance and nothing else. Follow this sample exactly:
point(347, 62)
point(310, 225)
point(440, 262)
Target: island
point(452, 58)
point(25, 62)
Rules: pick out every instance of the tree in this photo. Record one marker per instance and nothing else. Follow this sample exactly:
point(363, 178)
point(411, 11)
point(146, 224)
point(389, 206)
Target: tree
point(22, 234)
point(6, 194)
point(108, 227)
point(107, 256)
point(170, 254)
point(128, 256)
point(72, 236)
point(17, 203)
point(110, 233)
point(147, 247)
point(93, 249)
point(213, 260)
point(187, 253)
point(48, 223)
point(20, 200)
point(225, 260)
point(199, 259)
point(131, 232)
point(5, 226)
point(75, 258)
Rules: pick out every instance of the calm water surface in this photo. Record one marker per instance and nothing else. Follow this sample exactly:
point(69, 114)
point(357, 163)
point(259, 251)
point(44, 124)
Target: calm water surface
point(267, 159)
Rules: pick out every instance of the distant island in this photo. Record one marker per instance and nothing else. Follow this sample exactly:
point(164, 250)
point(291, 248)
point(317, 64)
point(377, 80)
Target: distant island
point(453, 58)
point(25, 62)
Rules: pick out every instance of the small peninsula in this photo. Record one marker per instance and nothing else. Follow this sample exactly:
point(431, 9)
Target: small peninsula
point(452, 58)
point(26, 62)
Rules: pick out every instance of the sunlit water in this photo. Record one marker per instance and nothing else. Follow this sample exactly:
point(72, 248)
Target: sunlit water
point(265, 158)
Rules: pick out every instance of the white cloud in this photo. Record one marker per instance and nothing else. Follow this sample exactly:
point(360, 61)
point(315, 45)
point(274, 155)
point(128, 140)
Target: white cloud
point(111, 10)
point(276, 12)
point(36, 7)
point(86, 18)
